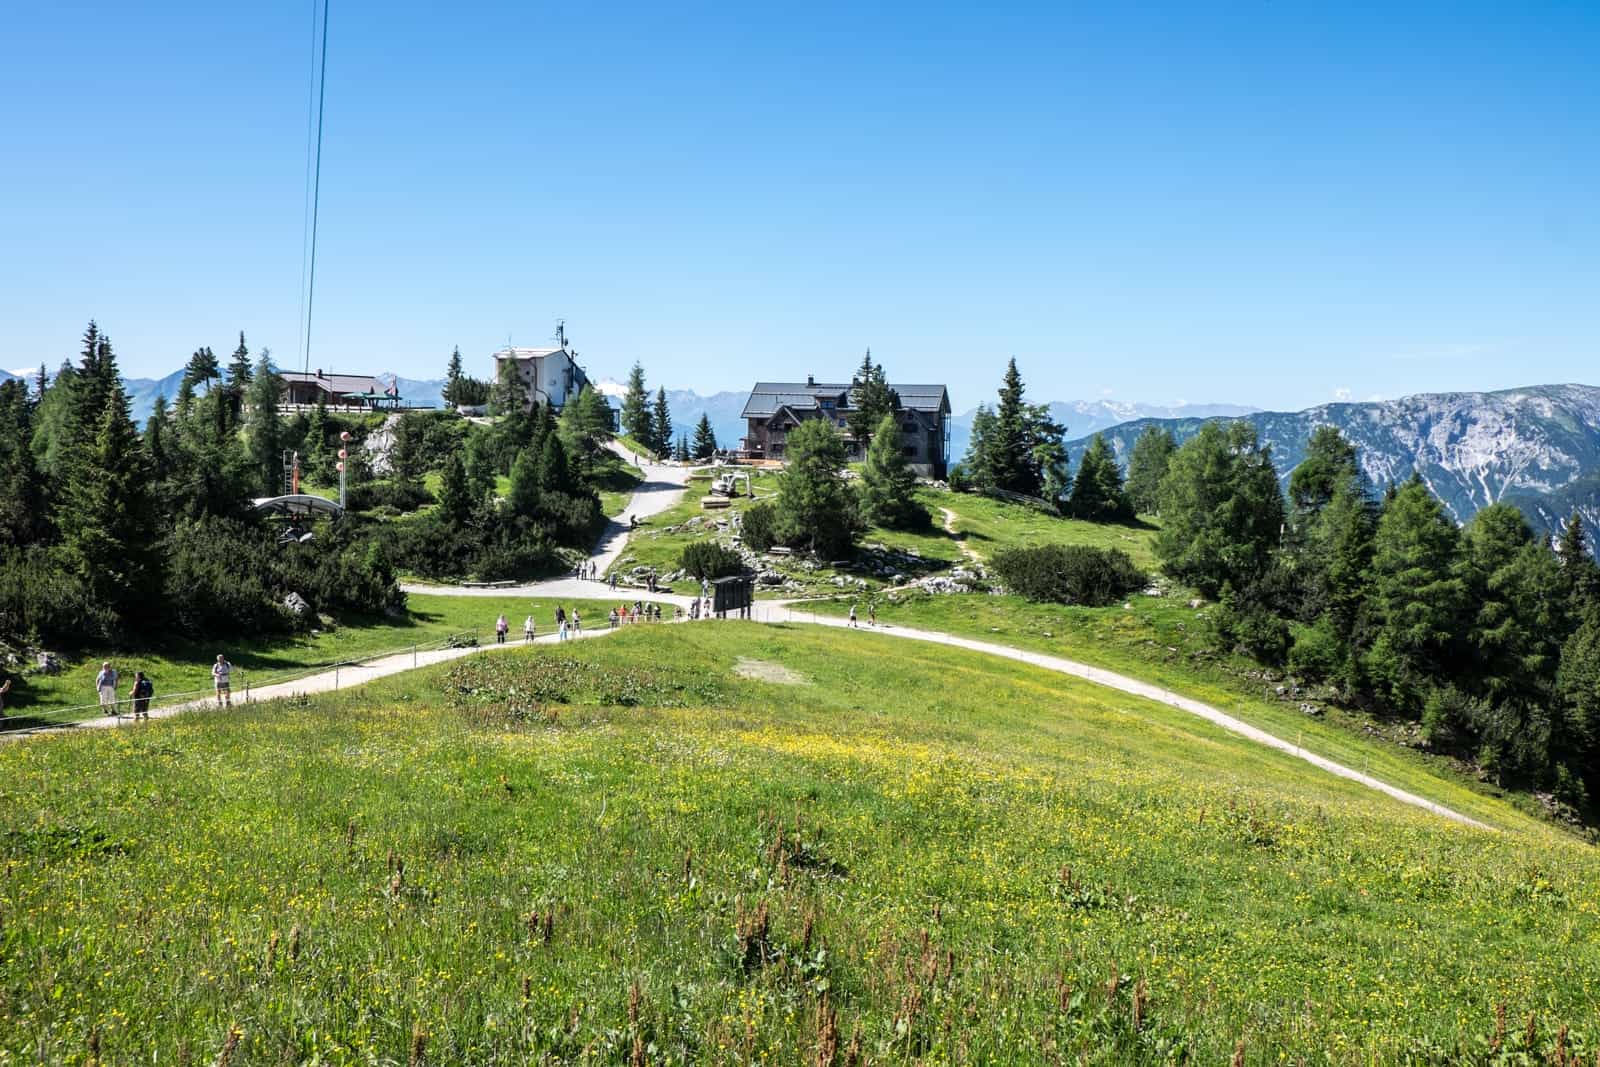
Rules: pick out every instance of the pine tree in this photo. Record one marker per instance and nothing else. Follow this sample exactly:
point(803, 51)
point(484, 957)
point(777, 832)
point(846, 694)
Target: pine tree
point(1097, 493)
point(636, 420)
point(1008, 449)
point(455, 495)
point(41, 382)
point(705, 439)
point(316, 457)
point(202, 368)
point(1017, 446)
point(452, 379)
point(108, 524)
point(661, 424)
point(816, 509)
point(888, 491)
point(682, 454)
point(1147, 465)
point(1221, 509)
point(870, 400)
point(158, 440)
point(1578, 566)
point(526, 476)
point(21, 490)
point(1418, 597)
point(264, 427)
point(555, 472)
point(239, 372)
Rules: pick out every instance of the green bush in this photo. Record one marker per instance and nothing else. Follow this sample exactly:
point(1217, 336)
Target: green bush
point(707, 559)
point(759, 528)
point(403, 496)
point(1316, 653)
point(221, 580)
point(1068, 574)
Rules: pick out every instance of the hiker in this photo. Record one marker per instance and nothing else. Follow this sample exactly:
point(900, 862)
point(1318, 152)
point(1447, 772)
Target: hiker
point(561, 617)
point(577, 622)
point(105, 683)
point(527, 628)
point(500, 628)
point(5, 687)
point(852, 615)
point(143, 690)
point(872, 613)
point(613, 581)
point(222, 679)
point(561, 629)
point(613, 618)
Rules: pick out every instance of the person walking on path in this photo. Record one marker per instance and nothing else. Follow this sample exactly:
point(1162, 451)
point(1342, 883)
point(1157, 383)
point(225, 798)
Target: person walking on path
point(222, 679)
point(613, 621)
point(143, 690)
point(872, 613)
point(500, 628)
point(852, 616)
point(5, 687)
point(561, 629)
point(105, 683)
point(577, 622)
point(527, 628)
point(613, 581)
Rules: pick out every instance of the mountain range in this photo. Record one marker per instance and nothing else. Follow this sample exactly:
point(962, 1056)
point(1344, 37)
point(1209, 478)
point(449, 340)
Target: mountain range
point(1536, 447)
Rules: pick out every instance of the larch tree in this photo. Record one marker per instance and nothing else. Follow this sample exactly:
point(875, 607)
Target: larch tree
point(1147, 465)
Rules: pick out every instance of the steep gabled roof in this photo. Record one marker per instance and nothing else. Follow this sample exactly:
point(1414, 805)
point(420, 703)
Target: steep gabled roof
point(334, 383)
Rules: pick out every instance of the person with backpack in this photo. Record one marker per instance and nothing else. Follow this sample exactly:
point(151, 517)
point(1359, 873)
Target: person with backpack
point(105, 683)
point(222, 678)
point(143, 690)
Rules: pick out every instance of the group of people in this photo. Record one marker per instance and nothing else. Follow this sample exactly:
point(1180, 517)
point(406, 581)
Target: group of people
point(143, 689)
point(638, 611)
point(588, 571)
point(872, 615)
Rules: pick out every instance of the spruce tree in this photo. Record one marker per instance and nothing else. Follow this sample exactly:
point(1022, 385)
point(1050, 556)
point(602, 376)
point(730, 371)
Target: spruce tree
point(1147, 465)
point(452, 379)
point(317, 458)
point(41, 382)
point(816, 509)
point(107, 519)
point(1097, 493)
point(21, 490)
point(1221, 509)
point(526, 477)
point(1578, 566)
point(888, 490)
point(455, 494)
point(661, 424)
point(158, 440)
point(705, 439)
point(682, 455)
point(239, 372)
point(870, 400)
point(264, 427)
point(53, 426)
point(636, 419)
point(202, 368)
point(1008, 459)
point(1418, 596)
point(555, 472)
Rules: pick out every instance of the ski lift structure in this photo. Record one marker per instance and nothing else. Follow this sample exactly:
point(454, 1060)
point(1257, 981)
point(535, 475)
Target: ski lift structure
point(297, 509)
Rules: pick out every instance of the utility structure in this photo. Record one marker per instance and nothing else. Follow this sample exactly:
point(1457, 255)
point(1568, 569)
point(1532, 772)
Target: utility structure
point(344, 459)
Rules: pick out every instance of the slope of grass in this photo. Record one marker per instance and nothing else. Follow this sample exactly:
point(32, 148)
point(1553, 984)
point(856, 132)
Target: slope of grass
point(179, 666)
point(630, 847)
point(986, 524)
point(1162, 640)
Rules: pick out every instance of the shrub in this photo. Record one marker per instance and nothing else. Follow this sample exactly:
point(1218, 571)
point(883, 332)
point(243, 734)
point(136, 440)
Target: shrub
point(41, 600)
point(759, 527)
point(1068, 574)
point(402, 496)
point(220, 579)
point(1243, 624)
point(707, 559)
point(1315, 654)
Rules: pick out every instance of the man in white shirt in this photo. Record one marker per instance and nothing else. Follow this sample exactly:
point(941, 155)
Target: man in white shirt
point(222, 678)
point(106, 683)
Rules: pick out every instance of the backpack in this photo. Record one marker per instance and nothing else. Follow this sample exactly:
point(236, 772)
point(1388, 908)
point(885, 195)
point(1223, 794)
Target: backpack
point(144, 690)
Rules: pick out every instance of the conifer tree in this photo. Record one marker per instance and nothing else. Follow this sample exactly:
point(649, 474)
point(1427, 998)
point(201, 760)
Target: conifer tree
point(264, 427)
point(870, 400)
point(455, 494)
point(21, 490)
point(636, 420)
point(107, 521)
point(202, 368)
point(661, 424)
point(41, 382)
point(705, 439)
point(682, 455)
point(1008, 459)
point(1147, 465)
point(1578, 566)
point(816, 509)
point(888, 491)
point(1097, 493)
point(53, 426)
point(452, 379)
point(1221, 509)
point(555, 472)
point(158, 439)
point(239, 372)
point(526, 476)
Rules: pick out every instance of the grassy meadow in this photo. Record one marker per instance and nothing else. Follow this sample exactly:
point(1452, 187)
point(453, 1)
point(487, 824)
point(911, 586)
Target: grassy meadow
point(180, 666)
point(724, 843)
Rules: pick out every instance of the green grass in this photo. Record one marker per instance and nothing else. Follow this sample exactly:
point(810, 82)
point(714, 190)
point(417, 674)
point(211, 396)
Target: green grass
point(986, 524)
point(635, 447)
point(1163, 641)
point(185, 666)
point(979, 862)
point(617, 479)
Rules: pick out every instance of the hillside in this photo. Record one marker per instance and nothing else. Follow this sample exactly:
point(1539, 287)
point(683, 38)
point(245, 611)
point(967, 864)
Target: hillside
point(721, 842)
point(1532, 447)
point(1083, 418)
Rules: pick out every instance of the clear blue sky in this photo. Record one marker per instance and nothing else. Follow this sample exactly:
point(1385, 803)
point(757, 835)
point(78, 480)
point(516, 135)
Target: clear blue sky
point(1256, 203)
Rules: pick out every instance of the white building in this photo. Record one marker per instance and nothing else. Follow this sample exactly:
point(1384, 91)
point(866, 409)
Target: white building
point(549, 375)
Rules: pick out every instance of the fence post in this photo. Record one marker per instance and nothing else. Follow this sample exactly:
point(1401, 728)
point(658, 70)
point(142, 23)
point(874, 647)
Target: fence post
point(336, 676)
point(413, 657)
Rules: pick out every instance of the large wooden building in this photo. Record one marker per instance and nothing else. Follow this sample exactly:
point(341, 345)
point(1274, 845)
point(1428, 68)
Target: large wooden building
point(775, 408)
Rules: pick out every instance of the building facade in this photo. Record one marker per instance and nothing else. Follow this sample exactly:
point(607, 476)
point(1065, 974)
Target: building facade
point(334, 390)
point(549, 375)
point(775, 408)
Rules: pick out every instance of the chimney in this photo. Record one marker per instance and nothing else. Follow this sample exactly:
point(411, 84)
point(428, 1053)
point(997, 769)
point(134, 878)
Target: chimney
point(319, 372)
point(810, 380)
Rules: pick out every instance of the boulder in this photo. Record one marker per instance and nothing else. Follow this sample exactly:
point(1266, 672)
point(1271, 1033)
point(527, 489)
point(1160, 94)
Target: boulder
point(47, 663)
point(296, 605)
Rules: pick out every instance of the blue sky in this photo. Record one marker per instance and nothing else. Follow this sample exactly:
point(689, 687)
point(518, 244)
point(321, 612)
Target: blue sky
point(1270, 204)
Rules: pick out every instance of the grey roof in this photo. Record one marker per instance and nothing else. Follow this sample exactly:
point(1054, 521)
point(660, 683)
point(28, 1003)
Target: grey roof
point(768, 397)
point(335, 383)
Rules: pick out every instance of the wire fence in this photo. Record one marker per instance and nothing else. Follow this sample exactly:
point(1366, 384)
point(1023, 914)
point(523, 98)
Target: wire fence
point(242, 683)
